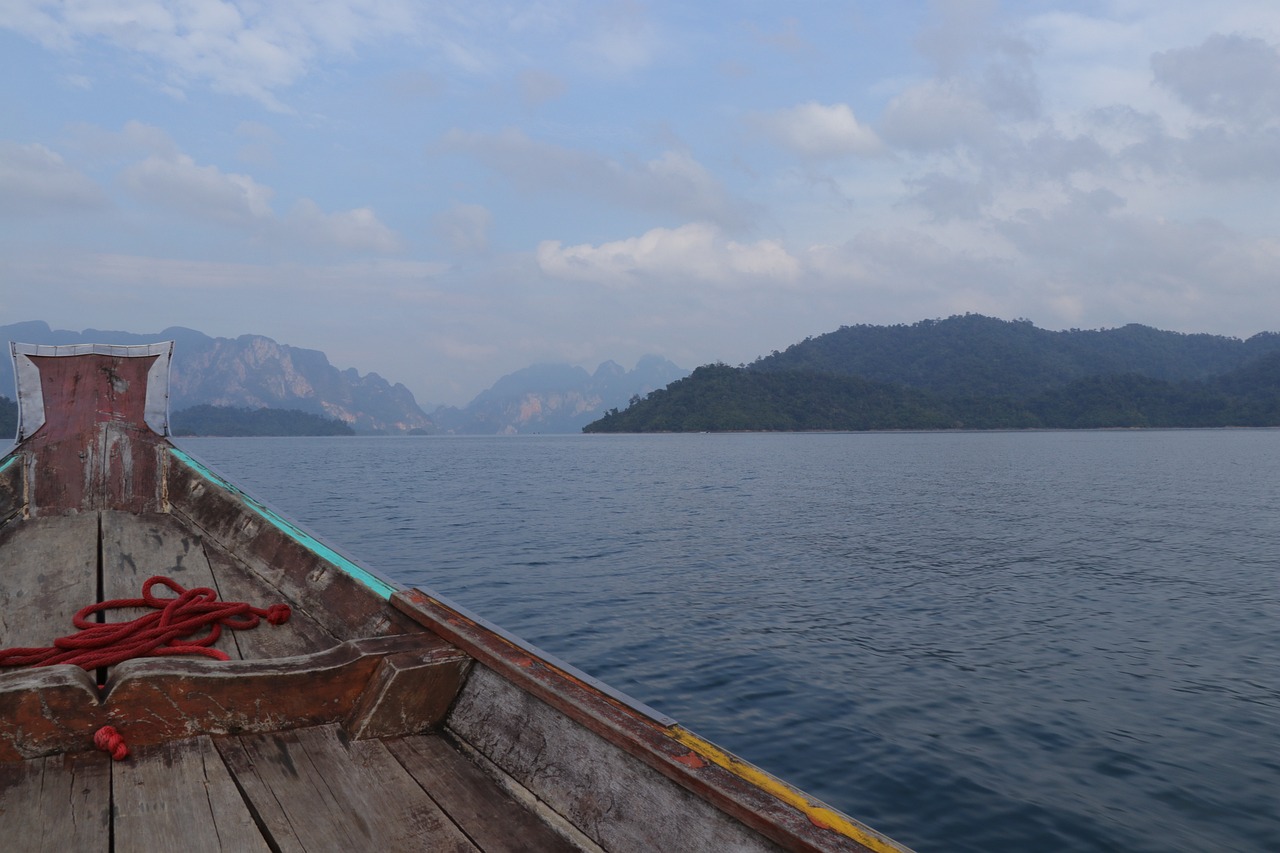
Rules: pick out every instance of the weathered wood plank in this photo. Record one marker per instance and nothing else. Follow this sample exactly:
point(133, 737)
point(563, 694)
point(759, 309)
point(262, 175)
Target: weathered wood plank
point(49, 571)
point(180, 796)
point(152, 700)
point(614, 799)
point(488, 815)
point(313, 789)
point(235, 581)
point(61, 803)
point(267, 544)
point(46, 710)
point(409, 693)
point(137, 547)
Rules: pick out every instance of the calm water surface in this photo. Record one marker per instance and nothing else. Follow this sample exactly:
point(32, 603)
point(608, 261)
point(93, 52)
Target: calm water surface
point(986, 641)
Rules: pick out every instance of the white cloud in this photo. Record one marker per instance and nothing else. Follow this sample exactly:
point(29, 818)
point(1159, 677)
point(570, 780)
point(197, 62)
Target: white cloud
point(937, 115)
point(357, 229)
point(693, 253)
point(674, 182)
point(35, 180)
point(242, 48)
point(820, 131)
point(206, 193)
point(203, 192)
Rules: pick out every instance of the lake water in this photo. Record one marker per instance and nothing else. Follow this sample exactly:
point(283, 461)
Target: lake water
point(973, 641)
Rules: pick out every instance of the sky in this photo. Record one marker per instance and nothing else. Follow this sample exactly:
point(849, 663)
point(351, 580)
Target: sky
point(446, 192)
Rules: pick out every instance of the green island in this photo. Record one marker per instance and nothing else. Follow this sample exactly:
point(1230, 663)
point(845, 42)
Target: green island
point(977, 373)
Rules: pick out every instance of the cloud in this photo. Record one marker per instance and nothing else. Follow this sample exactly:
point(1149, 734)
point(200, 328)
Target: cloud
point(206, 193)
point(937, 115)
point(623, 39)
point(693, 253)
point(465, 227)
point(672, 183)
point(1230, 77)
point(36, 180)
point(357, 229)
point(819, 131)
point(947, 197)
point(202, 192)
point(1125, 264)
point(251, 50)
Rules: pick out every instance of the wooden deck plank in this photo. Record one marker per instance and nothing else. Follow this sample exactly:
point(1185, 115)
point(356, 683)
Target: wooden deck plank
point(488, 815)
point(301, 635)
point(313, 789)
point(179, 796)
point(59, 803)
point(49, 571)
point(136, 547)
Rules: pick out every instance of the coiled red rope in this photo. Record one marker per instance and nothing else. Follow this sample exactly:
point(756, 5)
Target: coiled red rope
point(111, 742)
point(170, 630)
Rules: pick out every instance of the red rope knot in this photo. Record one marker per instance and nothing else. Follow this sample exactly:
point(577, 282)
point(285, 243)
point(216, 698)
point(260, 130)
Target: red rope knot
point(111, 742)
point(278, 614)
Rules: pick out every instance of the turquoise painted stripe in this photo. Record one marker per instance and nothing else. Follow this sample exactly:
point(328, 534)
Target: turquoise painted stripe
point(297, 534)
point(9, 460)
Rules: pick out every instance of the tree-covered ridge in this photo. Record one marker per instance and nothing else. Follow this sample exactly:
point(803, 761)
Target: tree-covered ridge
point(977, 355)
point(236, 421)
point(999, 376)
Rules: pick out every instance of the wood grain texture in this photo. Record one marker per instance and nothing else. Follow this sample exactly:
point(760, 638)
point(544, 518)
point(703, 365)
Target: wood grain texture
point(489, 816)
point(344, 606)
point(235, 581)
point(614, 799)
point(61, 803)
point(313, 789)
point(180, 796)
point(137, 547)
point(94, 450)
point(47, 710)
point(48, 571)
point(152, 700)
point(409, 693)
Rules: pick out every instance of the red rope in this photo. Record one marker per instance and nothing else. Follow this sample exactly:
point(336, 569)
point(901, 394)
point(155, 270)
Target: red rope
point(169, 630)
point(112, 742)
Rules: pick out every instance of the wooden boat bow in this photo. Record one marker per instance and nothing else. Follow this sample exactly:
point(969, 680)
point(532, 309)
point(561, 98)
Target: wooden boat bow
point(378, 716)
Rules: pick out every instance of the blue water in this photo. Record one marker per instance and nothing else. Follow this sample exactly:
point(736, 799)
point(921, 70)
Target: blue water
point(983, 641)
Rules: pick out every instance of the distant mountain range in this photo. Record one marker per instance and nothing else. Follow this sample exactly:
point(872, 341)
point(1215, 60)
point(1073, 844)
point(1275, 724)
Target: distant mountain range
point(976, 372)
point(251, 371)
point(555, 398)
point(256, 372)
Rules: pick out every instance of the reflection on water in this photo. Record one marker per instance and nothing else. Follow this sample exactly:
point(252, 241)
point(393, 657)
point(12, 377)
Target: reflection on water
point(996, 641)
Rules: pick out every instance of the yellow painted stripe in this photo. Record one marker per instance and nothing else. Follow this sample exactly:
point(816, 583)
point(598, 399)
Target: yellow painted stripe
point(820, 815)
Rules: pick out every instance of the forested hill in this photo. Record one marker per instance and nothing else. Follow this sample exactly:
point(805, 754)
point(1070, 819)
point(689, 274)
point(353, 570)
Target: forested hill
point(973, 354)
point(976, 372)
